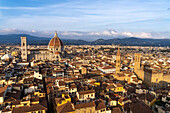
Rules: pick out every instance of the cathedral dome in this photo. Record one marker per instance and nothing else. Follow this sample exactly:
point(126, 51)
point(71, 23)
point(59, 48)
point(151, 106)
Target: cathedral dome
point(55, 42)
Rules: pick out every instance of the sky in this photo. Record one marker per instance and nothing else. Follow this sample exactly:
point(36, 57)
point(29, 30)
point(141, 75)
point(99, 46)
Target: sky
point(79, 18)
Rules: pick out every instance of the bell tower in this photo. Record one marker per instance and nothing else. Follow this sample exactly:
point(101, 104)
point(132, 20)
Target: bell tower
point(137, 62)
point(118, 61)
point(24, 48)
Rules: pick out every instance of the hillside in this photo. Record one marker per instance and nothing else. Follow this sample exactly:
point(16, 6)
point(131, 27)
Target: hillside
point(130, 41)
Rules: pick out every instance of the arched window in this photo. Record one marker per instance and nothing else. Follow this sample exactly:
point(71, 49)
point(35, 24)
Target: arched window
point(23, 44)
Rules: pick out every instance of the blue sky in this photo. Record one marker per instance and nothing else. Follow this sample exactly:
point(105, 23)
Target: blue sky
point(92, 16)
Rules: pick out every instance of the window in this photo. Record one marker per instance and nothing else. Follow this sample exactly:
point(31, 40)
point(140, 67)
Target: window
point(39, 111)
point(23, 44)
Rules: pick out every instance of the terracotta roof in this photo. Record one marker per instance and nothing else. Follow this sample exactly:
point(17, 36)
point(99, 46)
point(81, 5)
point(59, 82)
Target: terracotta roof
point(73, 86)
point(55, 42)
point(33, 107)
point(149, 97)
point(17, 102)
point(15, 94)
point(119, 85)
point(68, 107)
point(100, 104)
point(57, 52)
point(84, 105)
point(86, 92)
point(116, 110)
point(9, 99)
point(2, 90)
point(57, 100)
point(61, 83)
point(140, 107)
point(110, 86)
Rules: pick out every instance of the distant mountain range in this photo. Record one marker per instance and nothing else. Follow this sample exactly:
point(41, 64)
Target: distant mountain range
point(129, 41)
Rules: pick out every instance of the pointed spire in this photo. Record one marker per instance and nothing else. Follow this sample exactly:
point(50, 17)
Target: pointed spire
point(118, 51)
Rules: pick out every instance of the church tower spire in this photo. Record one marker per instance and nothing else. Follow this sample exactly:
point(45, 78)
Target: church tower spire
point(118, 61)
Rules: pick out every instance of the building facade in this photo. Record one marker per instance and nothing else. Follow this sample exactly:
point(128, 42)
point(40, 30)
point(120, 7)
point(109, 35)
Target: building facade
point(54, 51)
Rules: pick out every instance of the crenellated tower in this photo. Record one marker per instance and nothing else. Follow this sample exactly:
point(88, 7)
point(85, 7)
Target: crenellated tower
point(137, 62)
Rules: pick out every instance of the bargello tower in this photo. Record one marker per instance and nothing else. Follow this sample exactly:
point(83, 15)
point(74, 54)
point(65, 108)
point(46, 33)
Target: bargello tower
point(137, 67)
point(24, 48)
point(137, 61)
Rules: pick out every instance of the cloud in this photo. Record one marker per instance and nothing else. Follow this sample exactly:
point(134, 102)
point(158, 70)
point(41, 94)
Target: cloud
point(138, 34)
point(109, 33)
point(85, 15)
point(115, 34)
point(11, 30)
point(105, 34)
point(19, 8)
point(30, 32)
point(33, 31)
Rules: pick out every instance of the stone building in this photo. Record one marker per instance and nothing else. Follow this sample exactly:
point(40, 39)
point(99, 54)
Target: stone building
point(54, 51)
point(118, 61)
point(138, 69)
point(152, 77)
